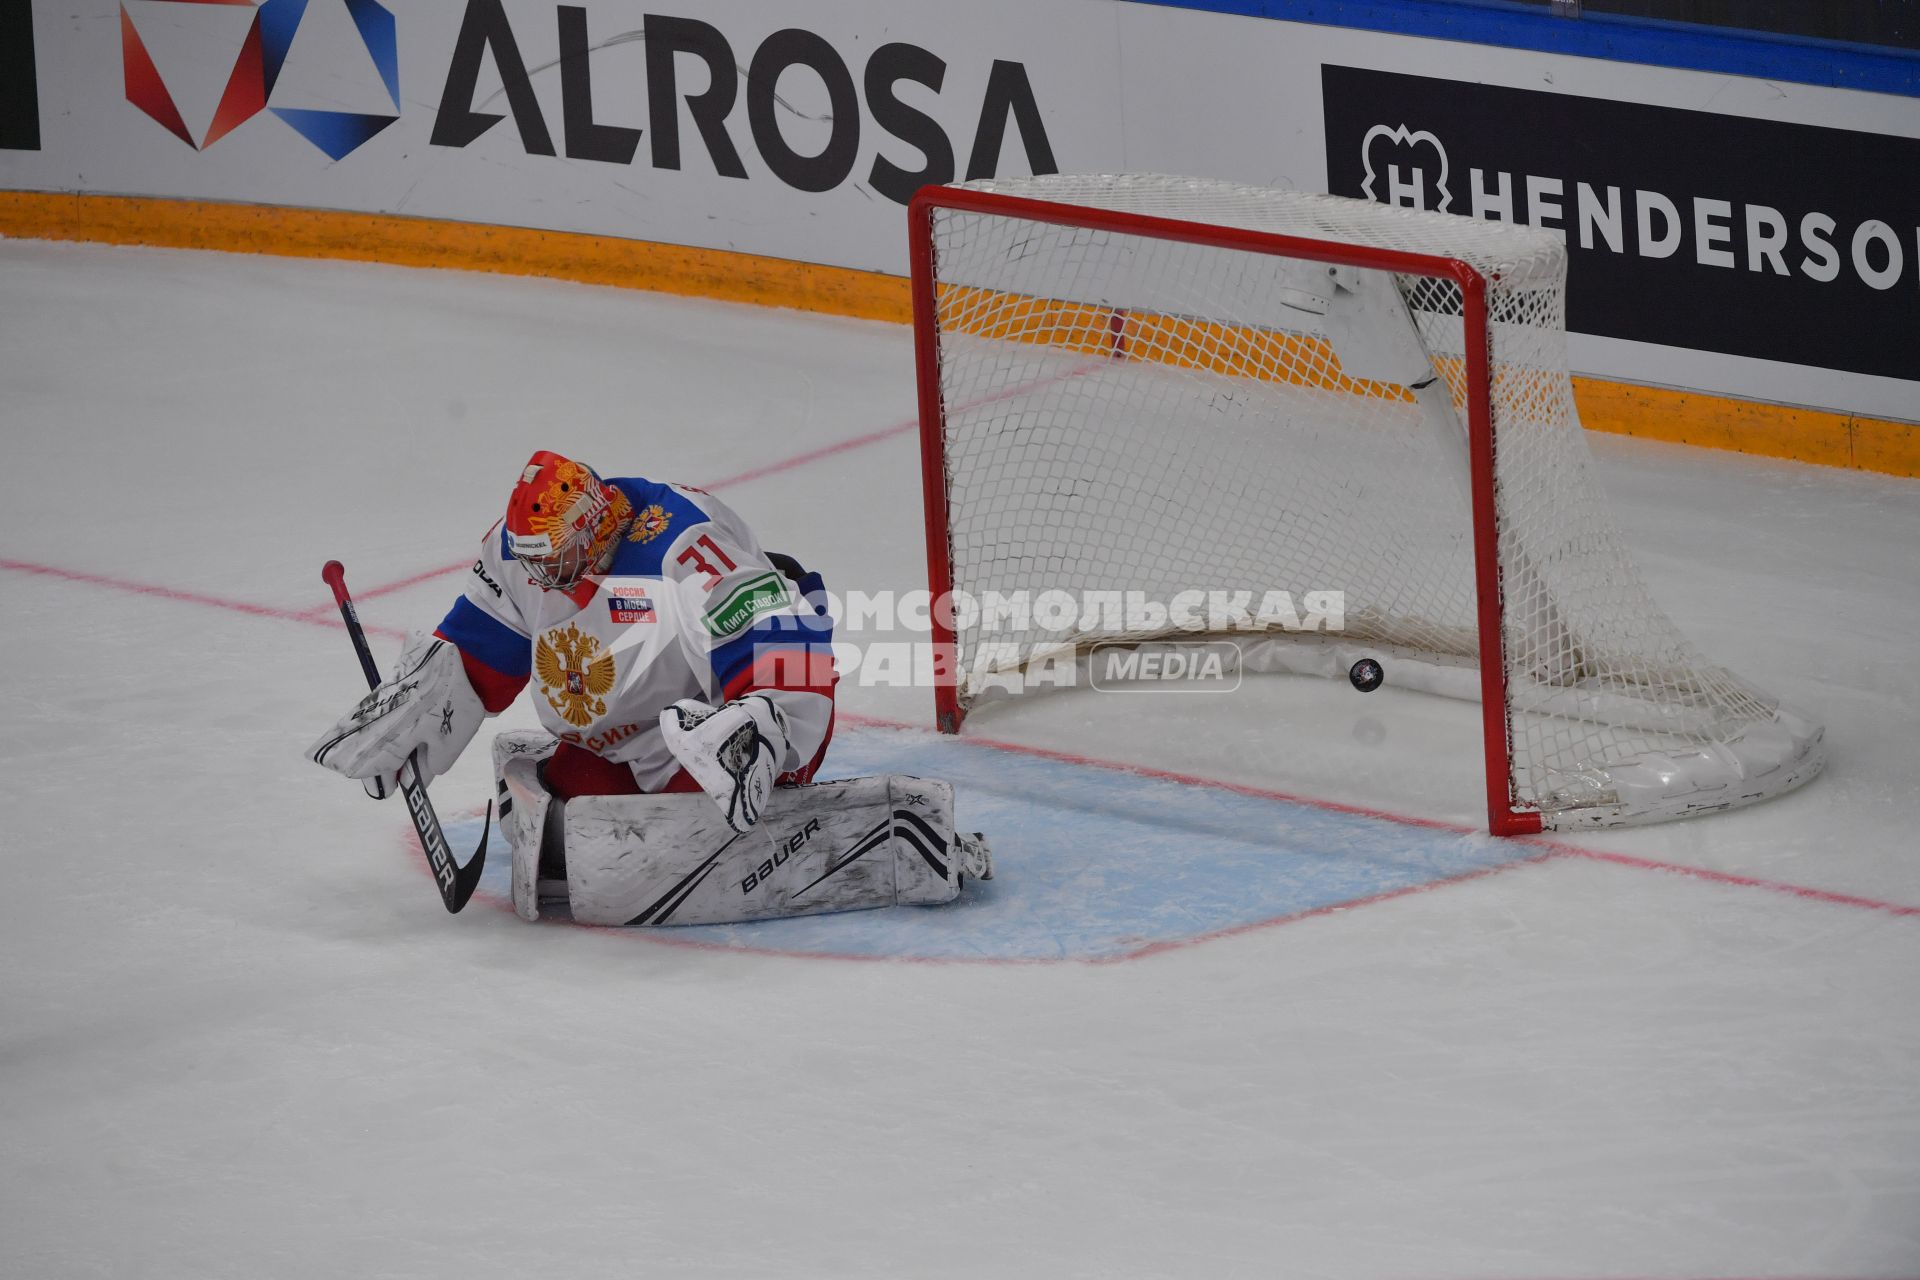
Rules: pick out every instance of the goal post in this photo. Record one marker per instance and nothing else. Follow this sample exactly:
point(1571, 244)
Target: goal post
point(1155, 389)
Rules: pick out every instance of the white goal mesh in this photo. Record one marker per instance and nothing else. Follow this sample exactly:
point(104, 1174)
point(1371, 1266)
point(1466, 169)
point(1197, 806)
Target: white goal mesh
point(1124, 416)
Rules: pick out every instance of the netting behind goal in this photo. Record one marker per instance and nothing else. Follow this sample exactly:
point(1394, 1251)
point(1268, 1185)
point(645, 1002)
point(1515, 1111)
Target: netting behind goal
point(1139, 403)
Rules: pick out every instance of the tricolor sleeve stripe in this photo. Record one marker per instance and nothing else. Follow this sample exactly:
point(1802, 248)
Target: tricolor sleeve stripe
point(497, 658)
point(496, 691)
point(757, 656)
point(485, 637)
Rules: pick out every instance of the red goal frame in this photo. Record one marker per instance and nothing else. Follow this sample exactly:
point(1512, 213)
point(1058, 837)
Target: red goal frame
point(1502, 817)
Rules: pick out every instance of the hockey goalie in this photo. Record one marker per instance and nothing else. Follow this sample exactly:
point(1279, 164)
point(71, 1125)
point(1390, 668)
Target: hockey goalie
point(685, 680)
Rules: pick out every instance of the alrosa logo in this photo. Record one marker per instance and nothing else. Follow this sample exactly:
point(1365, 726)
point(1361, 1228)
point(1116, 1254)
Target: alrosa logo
point(673, 43)
point(1398, 162)
point(263, 55)
point(874, 95)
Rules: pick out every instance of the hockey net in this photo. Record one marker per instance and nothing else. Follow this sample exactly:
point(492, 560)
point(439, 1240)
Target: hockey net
point(1140, 389)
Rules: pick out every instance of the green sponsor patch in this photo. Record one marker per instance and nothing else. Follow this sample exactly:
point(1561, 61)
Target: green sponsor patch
point(746, 602)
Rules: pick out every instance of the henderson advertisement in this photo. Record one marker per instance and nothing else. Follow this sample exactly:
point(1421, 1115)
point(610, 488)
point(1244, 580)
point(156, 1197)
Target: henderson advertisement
point(1755, 238)
point(1749, 257)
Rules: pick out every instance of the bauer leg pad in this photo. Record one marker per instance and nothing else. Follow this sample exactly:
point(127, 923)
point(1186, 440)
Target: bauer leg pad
point(525, 807)
point(831, 846)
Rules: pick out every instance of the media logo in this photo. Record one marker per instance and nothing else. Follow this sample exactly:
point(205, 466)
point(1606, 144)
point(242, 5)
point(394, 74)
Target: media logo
point(1212, 666)
point(263, 54)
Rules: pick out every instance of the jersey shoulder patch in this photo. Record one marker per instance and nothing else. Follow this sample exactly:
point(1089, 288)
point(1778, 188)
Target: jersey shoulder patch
point(660, 514)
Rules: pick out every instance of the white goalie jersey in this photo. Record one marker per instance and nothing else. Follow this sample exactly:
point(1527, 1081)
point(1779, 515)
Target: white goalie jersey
point(690, 607)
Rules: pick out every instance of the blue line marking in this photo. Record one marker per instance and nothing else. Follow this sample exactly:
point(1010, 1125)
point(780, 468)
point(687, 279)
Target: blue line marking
point(1093, 864)
point(1618, 38)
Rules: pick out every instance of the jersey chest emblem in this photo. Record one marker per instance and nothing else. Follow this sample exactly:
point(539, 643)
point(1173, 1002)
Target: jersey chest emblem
point(574, 674)
point(650, 523)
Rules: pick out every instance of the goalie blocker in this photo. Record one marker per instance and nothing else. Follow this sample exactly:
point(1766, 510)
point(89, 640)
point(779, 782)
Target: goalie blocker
point(673, 859)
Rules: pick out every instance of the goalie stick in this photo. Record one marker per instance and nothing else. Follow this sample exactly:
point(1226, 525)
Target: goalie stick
point(456, 883)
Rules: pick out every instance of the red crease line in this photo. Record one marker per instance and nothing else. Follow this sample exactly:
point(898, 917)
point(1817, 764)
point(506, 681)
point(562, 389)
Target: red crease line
point(901, 428)
point(425, 575)
point(183, 597)
point(785, 464)
point(1331, 908)
point(814, 455)
point(1728, 877)
point(1550, 847)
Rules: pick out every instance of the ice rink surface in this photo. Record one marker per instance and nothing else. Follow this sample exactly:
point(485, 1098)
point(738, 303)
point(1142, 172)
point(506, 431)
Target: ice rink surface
point(1193, 1028)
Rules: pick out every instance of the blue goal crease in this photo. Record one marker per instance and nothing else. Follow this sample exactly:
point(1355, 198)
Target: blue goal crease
point(1097, 864)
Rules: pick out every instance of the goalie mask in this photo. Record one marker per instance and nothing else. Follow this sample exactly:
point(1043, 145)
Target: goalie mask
point(563, 521)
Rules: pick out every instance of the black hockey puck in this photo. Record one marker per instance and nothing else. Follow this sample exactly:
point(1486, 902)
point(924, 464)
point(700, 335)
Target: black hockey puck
point(1367, 675)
